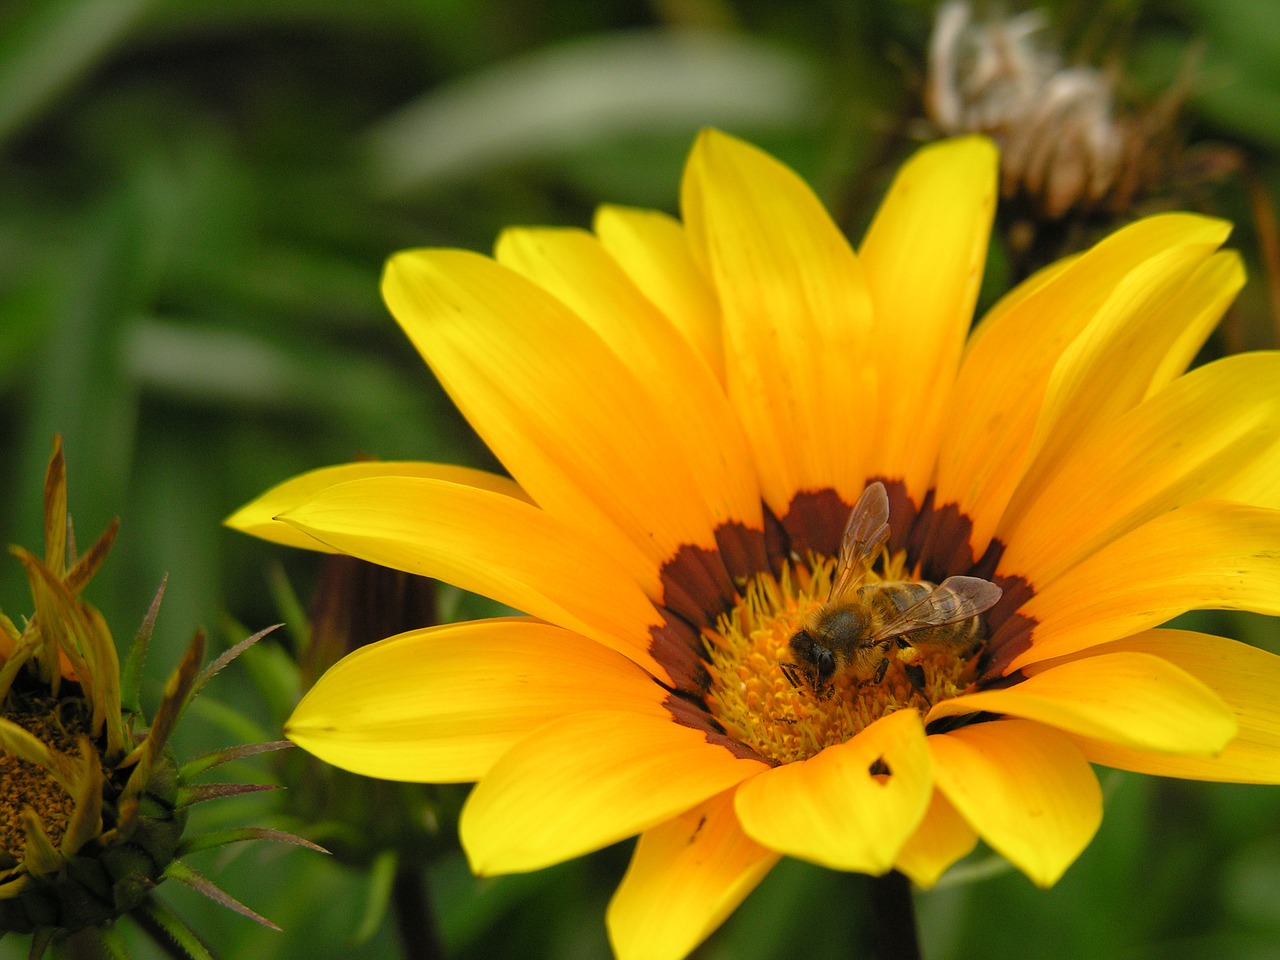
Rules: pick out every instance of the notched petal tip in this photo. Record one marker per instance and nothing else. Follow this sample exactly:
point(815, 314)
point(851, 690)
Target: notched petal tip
point(836, 809)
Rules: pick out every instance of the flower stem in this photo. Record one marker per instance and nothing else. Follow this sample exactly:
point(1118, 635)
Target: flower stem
point(415, 915)
point(893, 918)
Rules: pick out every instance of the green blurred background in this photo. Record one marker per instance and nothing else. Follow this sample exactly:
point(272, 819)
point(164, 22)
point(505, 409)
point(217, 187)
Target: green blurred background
point(195, 202)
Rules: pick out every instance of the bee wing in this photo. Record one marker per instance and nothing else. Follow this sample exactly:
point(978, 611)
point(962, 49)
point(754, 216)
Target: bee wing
point(864, 535)
point(953, 600)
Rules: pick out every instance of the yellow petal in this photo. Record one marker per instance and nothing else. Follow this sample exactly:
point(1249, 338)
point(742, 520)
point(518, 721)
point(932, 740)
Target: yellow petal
point(1006, 368)
point(705, 434)
point(40, 857)
point(1209, 555)
point(1209, 293)
point(258, 516)
point(686, 876)
point(924, 255)
point(490, 544)
point(833, 810)
point(65, 633)
point(1025, 788)
point(797, 319)
point(1245, 677)
point(21, 744)
point(651, 248)
point(942, 838)
point(1214, 433)
point(1109, 368)
point(566, 416)
point(1131, 699)
point(55, 511)
point(587, 780)
point(441, 705)
point(85, 823)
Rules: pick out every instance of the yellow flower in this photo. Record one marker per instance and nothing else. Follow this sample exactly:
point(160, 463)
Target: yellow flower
point(689, 412)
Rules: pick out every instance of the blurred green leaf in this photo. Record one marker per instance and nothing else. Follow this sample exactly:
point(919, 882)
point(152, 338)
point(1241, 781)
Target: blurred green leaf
point(274, 675)
point(1241, 73)
point(591, 90)
point(50, 45)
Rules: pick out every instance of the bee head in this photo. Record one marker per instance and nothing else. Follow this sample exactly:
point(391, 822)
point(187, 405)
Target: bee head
point(815, 660)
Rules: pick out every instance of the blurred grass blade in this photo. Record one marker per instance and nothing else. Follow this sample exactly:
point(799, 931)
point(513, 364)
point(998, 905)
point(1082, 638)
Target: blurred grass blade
point(586, 91)
point(382, 877)
point(43, 53)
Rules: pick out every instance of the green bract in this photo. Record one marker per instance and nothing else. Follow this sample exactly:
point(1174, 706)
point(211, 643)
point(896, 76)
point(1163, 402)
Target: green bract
point(93, 803)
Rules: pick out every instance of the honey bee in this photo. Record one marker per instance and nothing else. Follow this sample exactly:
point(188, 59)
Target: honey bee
point(852, 633)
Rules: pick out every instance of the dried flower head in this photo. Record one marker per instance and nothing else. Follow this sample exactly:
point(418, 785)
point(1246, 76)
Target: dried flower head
point(1061, 141)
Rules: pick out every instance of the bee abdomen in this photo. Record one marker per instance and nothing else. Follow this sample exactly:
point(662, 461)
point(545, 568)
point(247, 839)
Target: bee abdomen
point(899, 595)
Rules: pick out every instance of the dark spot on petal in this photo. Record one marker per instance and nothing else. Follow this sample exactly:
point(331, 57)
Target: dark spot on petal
point(987, 563)
point(815, 521)
point(742, 551)
point(1011, 639)
point(1017, 591)
point(1010, 631)
point(678, 647)
point(680, 603)
point(880, 768)
point(694, 715)
point(940, 541)
point(696, 585)
point(777, 545)
point(702, 822)
point(903, 513)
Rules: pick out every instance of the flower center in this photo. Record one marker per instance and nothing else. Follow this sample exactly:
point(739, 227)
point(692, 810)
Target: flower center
point(752, 698)
point(58, 724)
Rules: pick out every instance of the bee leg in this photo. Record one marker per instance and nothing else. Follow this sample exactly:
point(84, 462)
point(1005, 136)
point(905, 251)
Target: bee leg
point(792, 673)
point(915, 673)
point(881, 670)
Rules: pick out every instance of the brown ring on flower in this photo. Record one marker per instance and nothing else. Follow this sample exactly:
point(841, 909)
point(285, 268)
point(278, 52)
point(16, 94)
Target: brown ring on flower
point(705, 592)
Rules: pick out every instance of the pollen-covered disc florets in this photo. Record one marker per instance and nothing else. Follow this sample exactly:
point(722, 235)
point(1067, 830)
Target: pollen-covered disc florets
point(93, 807)
point(751, 697)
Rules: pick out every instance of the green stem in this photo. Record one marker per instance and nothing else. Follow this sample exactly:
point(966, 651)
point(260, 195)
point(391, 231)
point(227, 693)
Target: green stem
point(415, 915)
point(893, 918)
